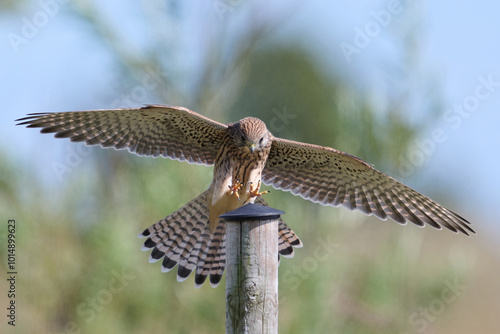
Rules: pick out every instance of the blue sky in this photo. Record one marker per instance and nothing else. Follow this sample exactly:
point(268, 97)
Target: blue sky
point(459, 48)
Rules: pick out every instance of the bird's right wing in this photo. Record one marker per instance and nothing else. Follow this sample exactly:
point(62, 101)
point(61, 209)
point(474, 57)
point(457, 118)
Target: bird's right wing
point(330, 177)
point(154, 130)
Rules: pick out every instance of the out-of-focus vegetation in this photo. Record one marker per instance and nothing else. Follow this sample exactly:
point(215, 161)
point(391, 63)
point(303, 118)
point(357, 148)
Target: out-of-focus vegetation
point(81, 270)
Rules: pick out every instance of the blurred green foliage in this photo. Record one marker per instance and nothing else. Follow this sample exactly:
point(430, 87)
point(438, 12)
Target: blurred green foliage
point(81, 270)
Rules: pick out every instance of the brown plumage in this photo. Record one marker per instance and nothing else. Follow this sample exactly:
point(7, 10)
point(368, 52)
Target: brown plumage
point(243, 154)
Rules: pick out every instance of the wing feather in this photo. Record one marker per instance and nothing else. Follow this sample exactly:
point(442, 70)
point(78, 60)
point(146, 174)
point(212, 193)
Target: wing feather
point(154, 130)
point(330, 177)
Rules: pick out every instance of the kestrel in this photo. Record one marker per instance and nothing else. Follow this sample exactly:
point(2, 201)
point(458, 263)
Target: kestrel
point(243, 154)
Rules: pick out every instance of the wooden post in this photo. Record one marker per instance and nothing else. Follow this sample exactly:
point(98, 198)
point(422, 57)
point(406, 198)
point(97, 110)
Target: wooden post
point(252, 269)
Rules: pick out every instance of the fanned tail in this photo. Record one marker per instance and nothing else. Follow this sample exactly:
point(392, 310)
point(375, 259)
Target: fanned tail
point(184, 239)
point(287, 239)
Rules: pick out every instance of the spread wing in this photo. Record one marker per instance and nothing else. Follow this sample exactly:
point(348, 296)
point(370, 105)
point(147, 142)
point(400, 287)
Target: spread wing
point(154, 130)
point(330, 177)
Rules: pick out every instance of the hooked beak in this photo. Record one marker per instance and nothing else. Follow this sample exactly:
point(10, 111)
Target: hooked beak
point(251, 147)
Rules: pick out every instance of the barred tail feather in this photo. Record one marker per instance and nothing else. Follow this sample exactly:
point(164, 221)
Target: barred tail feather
point(180, 238)
point(213, 260)
point(287, 239)
point(184, 239)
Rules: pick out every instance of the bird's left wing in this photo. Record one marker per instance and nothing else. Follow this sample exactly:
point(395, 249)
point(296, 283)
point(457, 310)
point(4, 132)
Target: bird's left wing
point(154, 130)
point(330, 177)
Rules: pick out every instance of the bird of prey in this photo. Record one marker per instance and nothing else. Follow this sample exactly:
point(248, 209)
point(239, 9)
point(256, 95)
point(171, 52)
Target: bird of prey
point(243, 154)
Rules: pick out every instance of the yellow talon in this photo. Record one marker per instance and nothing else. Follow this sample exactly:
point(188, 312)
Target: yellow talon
point(254, 192)
point(234, 189)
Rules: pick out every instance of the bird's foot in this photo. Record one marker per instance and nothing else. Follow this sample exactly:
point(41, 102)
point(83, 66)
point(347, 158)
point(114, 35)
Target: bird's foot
point(235, 188)
point(254, 192)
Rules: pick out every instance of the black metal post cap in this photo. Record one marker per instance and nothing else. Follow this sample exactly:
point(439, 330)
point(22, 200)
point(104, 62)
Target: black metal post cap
point(252, 211)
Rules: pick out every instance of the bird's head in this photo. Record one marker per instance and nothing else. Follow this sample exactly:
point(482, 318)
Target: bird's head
point(252, 133)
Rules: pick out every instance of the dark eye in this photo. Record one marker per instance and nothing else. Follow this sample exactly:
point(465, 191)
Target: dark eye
point(261, 140)
point(243, 138)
